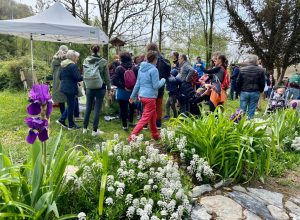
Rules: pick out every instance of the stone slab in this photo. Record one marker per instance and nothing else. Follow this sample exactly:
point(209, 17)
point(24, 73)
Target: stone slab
point(224, 207)
point(278, 213)
point(272, 198)
point(250, 216)
point(251, 204)
point(292, 207)
point(200, 213)
point(199, 190)
point(239, 188)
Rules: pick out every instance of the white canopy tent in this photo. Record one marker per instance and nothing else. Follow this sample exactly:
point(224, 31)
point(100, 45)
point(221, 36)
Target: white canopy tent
point(55, 24)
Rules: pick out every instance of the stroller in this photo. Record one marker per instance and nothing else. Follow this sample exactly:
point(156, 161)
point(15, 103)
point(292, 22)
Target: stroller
point(278, 100)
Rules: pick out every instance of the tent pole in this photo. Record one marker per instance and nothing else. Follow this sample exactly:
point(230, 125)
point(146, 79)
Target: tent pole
point(31, 51)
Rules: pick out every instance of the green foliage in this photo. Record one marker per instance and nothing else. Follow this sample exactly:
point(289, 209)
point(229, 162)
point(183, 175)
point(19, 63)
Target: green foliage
point(10, 71)
point(240, 151)
point(32, 189)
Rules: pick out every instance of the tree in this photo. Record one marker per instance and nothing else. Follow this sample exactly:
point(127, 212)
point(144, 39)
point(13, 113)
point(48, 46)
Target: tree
point(271, 28)
point(119, 16)
point(207, 13)
point(10, 9)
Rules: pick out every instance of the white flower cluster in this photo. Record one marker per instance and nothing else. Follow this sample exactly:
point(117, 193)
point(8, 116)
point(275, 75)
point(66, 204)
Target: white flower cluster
point(167, 136)
point(200, 168)
point(168, 139)
point(296, 144)
point(157, 178)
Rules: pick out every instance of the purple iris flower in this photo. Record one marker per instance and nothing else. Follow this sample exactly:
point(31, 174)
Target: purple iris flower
point(38, 128)
point(294, 105)
point(39, 96)
point(237, 116)
point(39, 93)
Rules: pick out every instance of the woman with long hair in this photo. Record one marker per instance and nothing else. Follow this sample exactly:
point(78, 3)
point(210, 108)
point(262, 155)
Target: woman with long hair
point(218, 75)
point(122, 93)
point(97, 93)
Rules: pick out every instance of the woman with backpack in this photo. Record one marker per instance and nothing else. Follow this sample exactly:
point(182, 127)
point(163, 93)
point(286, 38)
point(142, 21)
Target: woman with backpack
point(96, 80)
point(147, 86)
point(219, 80)
point(124, 79)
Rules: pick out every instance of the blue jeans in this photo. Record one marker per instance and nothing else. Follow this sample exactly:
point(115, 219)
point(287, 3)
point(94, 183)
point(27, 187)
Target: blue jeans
point(71, 99)
point(64, 110)
point(248, 102)
point(233, 88)
point(91, 95)
point(294, 93)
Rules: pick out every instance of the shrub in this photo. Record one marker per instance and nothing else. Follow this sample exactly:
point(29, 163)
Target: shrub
point(10, 71)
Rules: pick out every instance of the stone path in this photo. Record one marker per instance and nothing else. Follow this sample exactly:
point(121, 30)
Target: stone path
point(234, 203)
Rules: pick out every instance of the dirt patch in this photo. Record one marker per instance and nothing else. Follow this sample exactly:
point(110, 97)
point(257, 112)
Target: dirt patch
point(289, 185)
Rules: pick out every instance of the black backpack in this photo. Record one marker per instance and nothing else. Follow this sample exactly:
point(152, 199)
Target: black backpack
point(164, 67)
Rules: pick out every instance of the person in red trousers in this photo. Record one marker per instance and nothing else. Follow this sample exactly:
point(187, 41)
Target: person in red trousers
point(146, 87)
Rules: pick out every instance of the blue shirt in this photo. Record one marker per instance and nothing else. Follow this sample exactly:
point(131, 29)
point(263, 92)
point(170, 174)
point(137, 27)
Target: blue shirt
point(198, 68)
point(148, 82)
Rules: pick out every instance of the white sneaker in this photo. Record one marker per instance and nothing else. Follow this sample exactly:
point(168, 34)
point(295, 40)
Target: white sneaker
point(97, 133)
point(84, 131)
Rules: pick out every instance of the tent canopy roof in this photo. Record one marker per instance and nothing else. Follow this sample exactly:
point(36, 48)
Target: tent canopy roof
point(55, 24)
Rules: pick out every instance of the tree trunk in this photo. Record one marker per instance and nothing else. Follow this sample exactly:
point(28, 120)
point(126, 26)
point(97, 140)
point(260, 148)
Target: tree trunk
point(73, 8)
point(160, 26)
point(105, 47)
point(211, 26)
point(208, 56)
point(105, 51)
point(189, 35)
point(86, 12)
point(281, 75)
point(153, 22)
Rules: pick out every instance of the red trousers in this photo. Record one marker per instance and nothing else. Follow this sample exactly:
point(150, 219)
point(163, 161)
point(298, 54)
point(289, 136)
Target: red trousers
point(148, 116)
point(159, 110)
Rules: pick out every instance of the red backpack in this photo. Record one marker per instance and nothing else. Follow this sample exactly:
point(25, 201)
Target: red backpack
point(129, 78)
point(226, 81)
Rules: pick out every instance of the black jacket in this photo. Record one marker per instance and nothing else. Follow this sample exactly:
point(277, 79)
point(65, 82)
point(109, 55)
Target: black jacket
point(186, 92)
point(251, 79)
point(217, 71)
point(164, 69)
point(118, 77)
point(69, 77)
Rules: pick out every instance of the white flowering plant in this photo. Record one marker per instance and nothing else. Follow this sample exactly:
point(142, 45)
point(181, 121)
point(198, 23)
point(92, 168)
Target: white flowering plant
point(146, 184)
point(141, 183)
point(197, 167)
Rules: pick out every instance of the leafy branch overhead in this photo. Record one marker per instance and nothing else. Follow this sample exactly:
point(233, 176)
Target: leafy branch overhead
point(271, 28)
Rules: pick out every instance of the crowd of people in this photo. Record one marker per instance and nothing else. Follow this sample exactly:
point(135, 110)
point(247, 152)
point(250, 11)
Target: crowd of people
point(141, 82)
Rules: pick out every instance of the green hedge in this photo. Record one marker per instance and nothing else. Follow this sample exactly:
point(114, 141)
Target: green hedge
point(10, 71)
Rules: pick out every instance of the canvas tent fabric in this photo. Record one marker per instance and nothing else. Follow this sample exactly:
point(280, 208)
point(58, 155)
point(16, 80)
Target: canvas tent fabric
point(55, 24)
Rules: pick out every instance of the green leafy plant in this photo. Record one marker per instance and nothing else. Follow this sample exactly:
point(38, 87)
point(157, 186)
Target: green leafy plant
point(237, 151)
point(31, 190)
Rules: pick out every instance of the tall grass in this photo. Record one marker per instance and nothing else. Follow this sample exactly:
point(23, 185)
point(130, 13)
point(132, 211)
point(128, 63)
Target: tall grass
point(239, 151)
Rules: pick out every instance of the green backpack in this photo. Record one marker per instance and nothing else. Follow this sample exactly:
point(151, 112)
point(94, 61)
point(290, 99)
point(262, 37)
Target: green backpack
point(295, 79)
point(91, 75)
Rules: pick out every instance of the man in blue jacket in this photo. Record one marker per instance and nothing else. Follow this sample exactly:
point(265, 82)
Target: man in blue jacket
point(197, 66)
point(233, 87)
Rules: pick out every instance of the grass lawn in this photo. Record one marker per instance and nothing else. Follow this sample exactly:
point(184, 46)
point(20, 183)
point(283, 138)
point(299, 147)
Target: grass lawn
point(13, 130)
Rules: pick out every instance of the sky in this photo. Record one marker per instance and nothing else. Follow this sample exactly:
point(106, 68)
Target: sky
point(27, 2)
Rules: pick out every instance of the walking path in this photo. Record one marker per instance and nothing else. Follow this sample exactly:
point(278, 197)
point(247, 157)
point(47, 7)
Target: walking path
point(237, 202)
